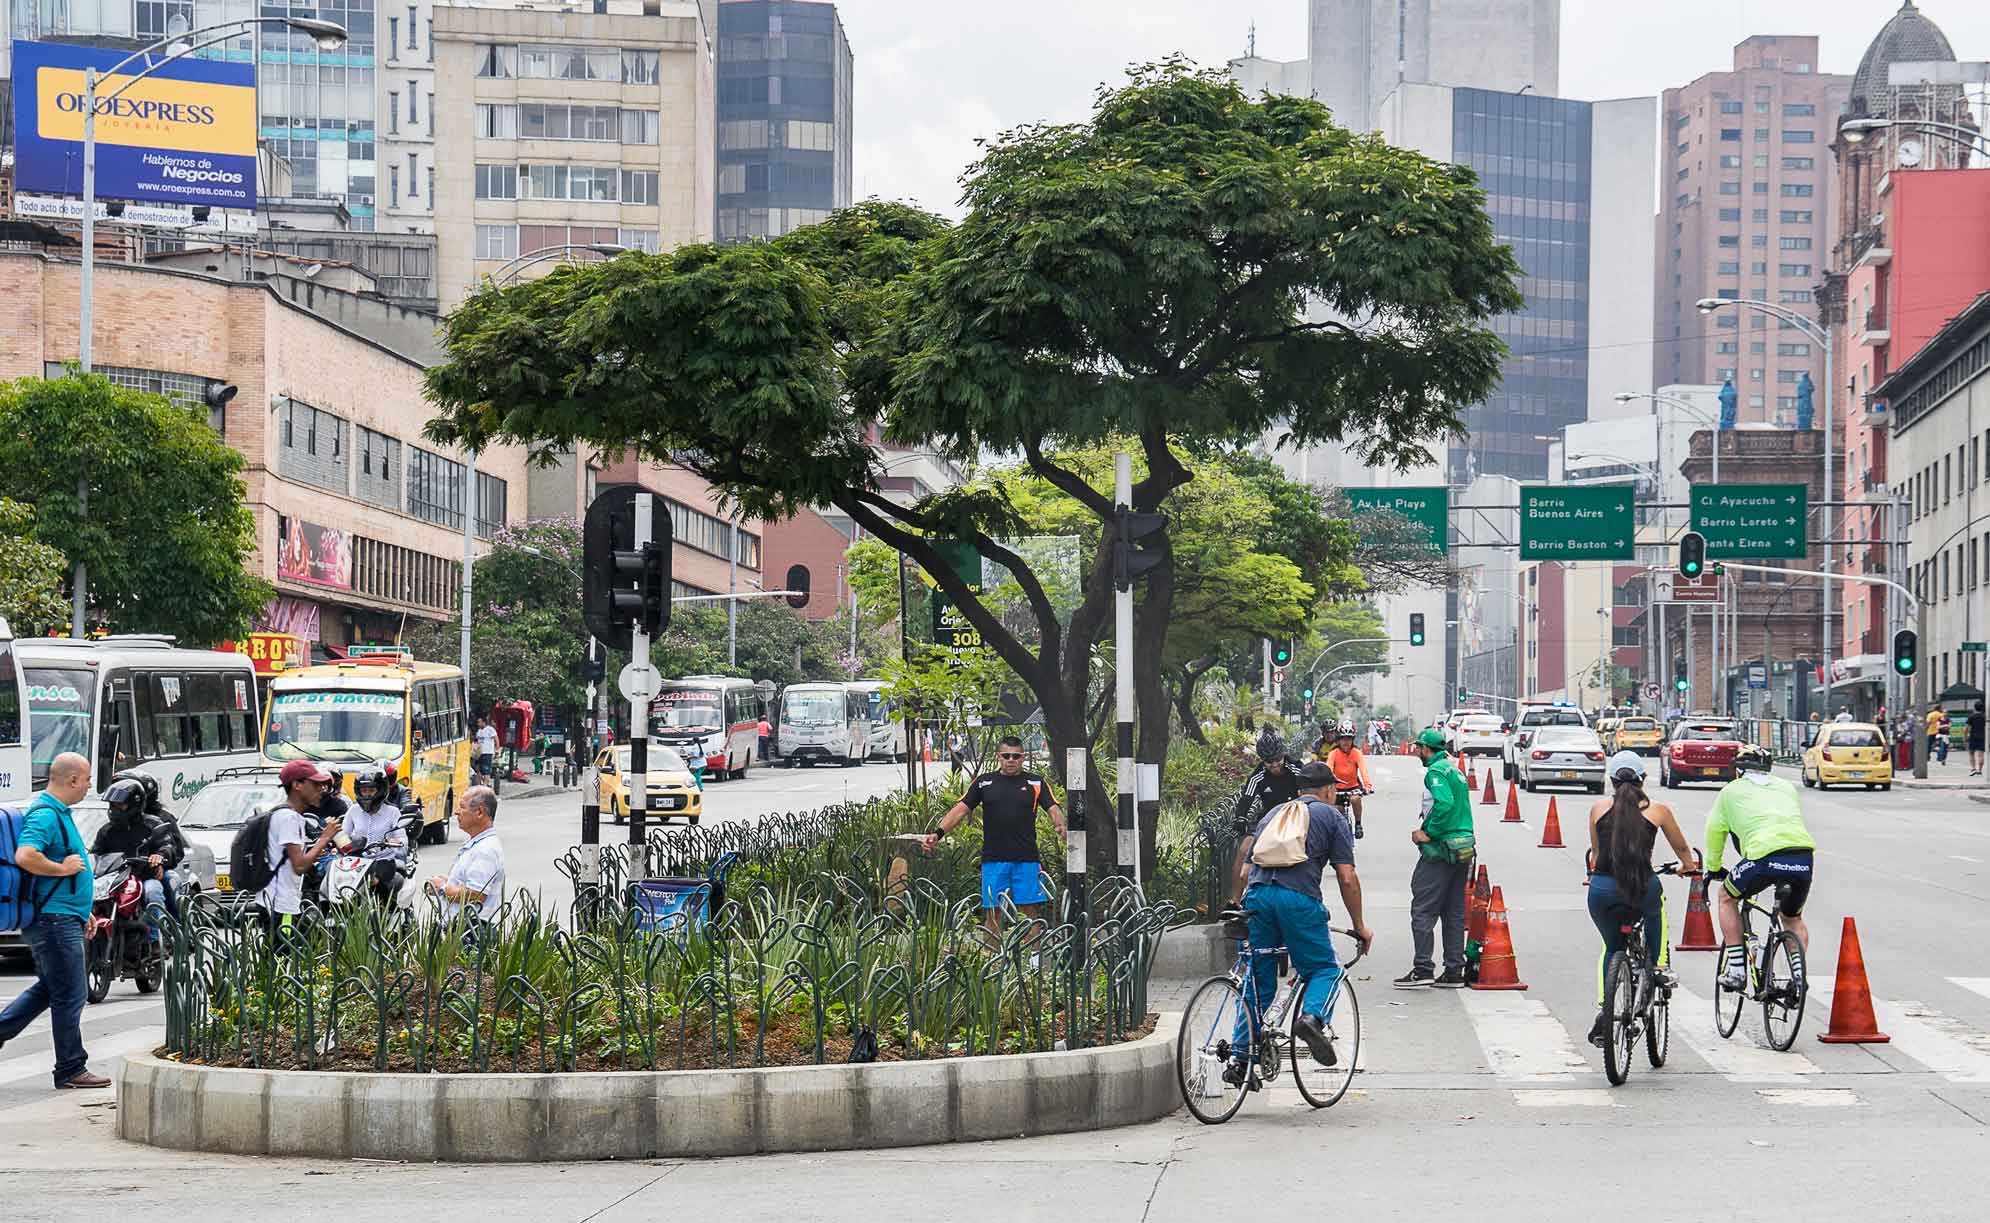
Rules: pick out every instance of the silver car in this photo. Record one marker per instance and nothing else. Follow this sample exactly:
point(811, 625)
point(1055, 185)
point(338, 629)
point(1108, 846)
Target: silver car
point(1562, 756)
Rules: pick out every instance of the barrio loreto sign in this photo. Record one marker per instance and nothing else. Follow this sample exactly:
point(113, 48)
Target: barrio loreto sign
point(1752, 521)
point(1560, 522)
point(1429, 508)
point(186, 134)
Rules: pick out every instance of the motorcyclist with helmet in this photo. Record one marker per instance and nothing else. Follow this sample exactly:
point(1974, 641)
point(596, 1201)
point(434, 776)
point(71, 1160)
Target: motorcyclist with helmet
point(374, 819)
point(1270, 786)
point(137, 828)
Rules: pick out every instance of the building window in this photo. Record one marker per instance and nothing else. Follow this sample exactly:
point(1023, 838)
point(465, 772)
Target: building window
point(1730, 108)
point(1724, 373)
point(1793, 244)
point(497, 62)
point(1758, 189)
point(1798, 110)
point(1727, 269)
point(393, 111)
point(1799, 190)
point(1761, 133)
point(709, 533)
point(639, 187)
point(1797, 216)
point(1801, 135)
point(1727, 294)
point(1759, 215)
point(394, 185)
point(491, 493)
point(648, 240)
point(1730, 188)
point(639, 126)
point(393, 32)
point(743, 134)
point(431, 187)
point(497, 242)
point(1730, 214)
point(583, 183)
point(1793, 350)
point(1728, 240)
point(811, 136)
point(1794, 269)
point(1799, 163)
point(1758, 240)
point(1727, 346)
point(313, 446)
point(1788, 375)
point(435, 488)
point(639, 67)
point(1758, 267)
point(1755, 375)
point(557, 63)
point(1794, 296)
point(497, 182)
point(497, 122)
point(379, 480)
point(1730, 161)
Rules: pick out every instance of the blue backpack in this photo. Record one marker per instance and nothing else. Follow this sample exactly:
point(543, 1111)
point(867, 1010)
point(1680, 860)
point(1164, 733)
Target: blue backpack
point(21, 894)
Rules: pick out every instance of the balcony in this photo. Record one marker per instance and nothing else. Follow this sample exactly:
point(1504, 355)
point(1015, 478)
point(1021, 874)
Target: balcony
point(1873, 415)
point(1875, 331)
point(1871, 250)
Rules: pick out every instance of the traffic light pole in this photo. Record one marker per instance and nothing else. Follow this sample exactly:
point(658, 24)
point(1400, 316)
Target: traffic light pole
point(639, 713)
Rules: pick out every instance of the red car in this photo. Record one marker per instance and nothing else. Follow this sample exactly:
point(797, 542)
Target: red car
point(1699, 749)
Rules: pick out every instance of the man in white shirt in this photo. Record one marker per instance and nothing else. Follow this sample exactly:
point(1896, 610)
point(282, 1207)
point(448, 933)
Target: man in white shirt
point(476, 881)
point(282, 898)
point(487, 739)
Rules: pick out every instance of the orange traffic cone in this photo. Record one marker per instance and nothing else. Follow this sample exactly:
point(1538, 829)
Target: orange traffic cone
point(1698, 932)
point(1512, 815)
point(1491, 797)
point(1852, 1018)
point(1497, 968)
point(1551, 831)
point(1471, 771)
point(1478, 896)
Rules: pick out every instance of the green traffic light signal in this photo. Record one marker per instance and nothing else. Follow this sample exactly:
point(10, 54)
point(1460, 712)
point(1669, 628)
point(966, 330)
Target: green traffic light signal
point(1692, 554)
point(1679, 683)
point(1280, 656)
point(1906, 652)
point(1308, 694)
point(1416, 628)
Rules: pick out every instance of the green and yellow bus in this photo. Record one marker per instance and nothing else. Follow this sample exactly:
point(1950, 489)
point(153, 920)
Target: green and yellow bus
point(378, 709)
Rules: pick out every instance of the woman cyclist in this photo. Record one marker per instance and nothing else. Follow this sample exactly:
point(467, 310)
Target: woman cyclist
point(1622, 885)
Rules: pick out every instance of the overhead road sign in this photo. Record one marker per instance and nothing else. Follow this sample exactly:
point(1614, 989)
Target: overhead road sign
point(1429, 508)
point(1752, 521)
point(1560, 522)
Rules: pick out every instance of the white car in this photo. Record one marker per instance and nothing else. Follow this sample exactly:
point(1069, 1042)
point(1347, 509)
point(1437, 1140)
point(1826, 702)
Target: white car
point(1532, 719)
point(1563, 756)
point(1451, 722)
point(1480, 734)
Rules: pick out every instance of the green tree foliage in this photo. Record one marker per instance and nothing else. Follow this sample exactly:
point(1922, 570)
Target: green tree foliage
point(166, 537)
point(31, 576)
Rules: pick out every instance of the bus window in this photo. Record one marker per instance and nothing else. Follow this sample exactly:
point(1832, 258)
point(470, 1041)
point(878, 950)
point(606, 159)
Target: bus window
point(61, 705)
point(242, 712)
point(117, 748)
point(207, 696)
point(171, 726)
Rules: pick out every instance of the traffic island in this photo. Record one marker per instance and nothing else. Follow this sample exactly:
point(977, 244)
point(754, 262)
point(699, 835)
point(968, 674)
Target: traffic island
point(511, 1118)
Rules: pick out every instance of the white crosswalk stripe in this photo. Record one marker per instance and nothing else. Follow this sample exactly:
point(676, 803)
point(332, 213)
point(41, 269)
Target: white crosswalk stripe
point(36, 1064)
point(104, 1012)
point(1523, 1041)
point(1738, 1058)
point(1946, 1046)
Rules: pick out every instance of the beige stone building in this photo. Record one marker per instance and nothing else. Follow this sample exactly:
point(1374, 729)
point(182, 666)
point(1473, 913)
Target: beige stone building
point(567, 126)
point(359, 519)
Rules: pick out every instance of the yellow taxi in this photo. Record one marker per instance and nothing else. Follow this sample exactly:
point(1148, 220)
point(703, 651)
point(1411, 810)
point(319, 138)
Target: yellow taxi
point(1637, 733)
point(673, 792)
point(1848, 754)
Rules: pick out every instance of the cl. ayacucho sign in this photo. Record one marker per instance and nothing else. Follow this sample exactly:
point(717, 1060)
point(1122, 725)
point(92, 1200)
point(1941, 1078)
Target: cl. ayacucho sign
point(185, 134)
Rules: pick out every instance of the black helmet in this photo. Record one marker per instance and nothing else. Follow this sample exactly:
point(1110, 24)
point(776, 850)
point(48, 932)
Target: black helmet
point(126, 800)
point(150, 784)
point(1753, 758)
point(1270, 746)
point(369, 788)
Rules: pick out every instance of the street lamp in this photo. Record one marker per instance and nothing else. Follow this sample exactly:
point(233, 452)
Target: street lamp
point(1707, 305)
point(1855, 131)
point(1684, 406)
point(327, 35)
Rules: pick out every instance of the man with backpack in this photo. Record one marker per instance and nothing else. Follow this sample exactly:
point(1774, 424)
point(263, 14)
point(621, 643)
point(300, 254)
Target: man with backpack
point(60, 886)
point(268, 855)
point(1287, 856)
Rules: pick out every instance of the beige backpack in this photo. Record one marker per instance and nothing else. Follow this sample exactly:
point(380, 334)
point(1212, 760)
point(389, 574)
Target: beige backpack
point(1283, 841)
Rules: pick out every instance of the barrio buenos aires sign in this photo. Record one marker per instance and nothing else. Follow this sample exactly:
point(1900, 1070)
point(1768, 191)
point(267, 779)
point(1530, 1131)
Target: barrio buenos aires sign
point(186, 134)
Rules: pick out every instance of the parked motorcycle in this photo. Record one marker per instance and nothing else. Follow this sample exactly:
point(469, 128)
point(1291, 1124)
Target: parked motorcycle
point(122, 943)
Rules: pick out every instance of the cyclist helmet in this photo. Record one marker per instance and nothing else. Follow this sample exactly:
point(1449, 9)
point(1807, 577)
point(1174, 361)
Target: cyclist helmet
point(369, 788)
point(1346, 731)
point(1753, 759)
point(1270, 747)
point(126, 800)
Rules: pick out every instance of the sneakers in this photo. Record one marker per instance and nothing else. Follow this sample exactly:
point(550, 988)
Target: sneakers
point(1734, 980)
point(1668, 977)
point(1358, 833)
point(1452, 979)
point(1415, 978)
point(1237, 1072)
point(1309, 1029)
point(1600, 1030)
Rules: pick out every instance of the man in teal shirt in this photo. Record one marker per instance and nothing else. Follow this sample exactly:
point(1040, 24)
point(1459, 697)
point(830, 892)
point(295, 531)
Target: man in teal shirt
point(52, 854)
point(1437, 887)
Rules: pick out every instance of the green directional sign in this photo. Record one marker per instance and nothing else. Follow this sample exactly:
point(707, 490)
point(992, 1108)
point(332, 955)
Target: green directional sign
point(1752, 521)
point(1561, 522)
point(1429, 508)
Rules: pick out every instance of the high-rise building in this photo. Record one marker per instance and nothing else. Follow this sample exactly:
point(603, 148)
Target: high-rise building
point(559, 128)
point(784, 117)
point(404, 182)
point(1748, 207)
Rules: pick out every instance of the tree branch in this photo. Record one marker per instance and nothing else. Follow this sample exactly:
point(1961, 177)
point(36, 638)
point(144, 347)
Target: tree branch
point(1066, 481)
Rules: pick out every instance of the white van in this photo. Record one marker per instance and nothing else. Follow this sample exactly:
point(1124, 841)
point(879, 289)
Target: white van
point(887, 728)
point(14, 770)
point(139, 702)
point(824, 722)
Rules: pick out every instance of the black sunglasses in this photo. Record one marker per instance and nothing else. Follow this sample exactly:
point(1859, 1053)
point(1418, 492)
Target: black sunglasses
point(1010, 755)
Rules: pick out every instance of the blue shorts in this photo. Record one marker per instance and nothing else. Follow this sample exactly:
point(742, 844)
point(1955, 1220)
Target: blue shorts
point(1786, 868)
point(1021, 881)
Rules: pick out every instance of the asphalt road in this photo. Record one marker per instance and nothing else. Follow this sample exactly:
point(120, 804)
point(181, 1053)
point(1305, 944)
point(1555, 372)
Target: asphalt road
point(1483, 1102)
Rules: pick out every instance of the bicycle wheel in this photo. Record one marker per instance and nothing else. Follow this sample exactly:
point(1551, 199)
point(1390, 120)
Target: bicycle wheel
point(1620, 1006)
point(1782, 994)
point(1727, 1005)
point(1323, 1086)
point(1658, 1028)
point(1203, 1052)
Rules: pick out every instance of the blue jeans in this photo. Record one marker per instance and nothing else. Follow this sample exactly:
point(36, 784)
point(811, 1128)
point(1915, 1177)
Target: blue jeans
point(1281, 916)
point(1611, 913)
point(56, 940)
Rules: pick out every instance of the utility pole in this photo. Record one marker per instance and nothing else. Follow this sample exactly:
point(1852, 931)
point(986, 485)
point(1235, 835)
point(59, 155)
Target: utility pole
point(1122, 667)
point(639, 701)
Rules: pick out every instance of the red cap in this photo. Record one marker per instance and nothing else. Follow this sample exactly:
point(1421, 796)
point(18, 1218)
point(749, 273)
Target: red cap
point(303, 770)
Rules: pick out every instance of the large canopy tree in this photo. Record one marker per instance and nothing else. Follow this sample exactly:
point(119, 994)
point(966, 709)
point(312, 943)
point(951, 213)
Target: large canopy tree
point(1192, 268)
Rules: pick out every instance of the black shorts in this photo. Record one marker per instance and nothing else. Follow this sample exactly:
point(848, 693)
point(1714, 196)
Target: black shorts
point(1786, 868)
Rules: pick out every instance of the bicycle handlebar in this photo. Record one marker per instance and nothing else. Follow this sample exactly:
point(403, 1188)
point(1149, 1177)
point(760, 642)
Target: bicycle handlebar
point(1360, 952)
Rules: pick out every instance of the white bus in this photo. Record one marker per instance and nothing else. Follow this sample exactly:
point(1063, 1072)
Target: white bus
point(824, 722)
point(14, 770)
point(887, 728)
point(140, 702)
point(710, 718)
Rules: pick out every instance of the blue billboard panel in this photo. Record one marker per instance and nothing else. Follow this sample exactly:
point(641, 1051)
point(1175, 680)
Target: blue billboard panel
point(184, 134)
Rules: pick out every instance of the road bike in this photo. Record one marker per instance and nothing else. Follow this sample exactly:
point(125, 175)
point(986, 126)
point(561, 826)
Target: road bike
point(1215, 1074)
point(1636, 1002)
point(1775, 975)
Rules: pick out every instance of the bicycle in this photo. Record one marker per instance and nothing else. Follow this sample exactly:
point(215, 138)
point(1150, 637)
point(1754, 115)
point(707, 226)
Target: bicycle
point(1774, 977)
point(1637, 1002)
point(1204, 1051)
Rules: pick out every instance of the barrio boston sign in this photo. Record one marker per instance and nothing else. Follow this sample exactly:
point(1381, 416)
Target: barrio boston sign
point(186, 134)
point(1561, 522)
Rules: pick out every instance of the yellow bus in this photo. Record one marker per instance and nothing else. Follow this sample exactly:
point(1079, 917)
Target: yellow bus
point(378, 709)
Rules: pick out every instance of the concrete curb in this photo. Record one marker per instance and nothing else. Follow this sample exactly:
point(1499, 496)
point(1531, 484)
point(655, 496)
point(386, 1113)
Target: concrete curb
point(507, 1118)
point(1191, 953)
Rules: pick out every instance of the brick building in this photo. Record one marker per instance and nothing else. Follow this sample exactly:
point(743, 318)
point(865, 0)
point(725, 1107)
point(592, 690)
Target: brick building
point(359, 519)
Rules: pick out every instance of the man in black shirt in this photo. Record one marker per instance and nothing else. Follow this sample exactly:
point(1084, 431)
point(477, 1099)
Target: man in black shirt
point(1975, 725)
point(1009, 800)
point(1270, 787)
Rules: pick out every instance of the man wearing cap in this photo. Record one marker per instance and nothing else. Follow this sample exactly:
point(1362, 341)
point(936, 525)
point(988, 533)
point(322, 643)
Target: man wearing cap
point(1287, 909)
point(282, 898)
point(1444, 862)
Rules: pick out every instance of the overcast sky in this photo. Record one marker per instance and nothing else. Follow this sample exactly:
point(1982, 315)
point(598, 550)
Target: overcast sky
point(933, 76)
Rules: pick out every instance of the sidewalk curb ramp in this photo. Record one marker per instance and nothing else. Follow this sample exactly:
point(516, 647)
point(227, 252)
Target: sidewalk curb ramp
point(534, 1118)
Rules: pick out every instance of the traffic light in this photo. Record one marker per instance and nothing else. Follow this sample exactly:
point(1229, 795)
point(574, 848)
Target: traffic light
point(1129, 558)
point(625, 587)
point(595, 668)
point(1281, 656)
point(1692, 554)
point(1307, 694)
point(797, 586)
point(1416, 628)
point(1906, 652)
point(1679, 681)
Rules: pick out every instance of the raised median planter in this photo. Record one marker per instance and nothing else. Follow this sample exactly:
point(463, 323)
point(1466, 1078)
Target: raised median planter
point(496, 1118)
